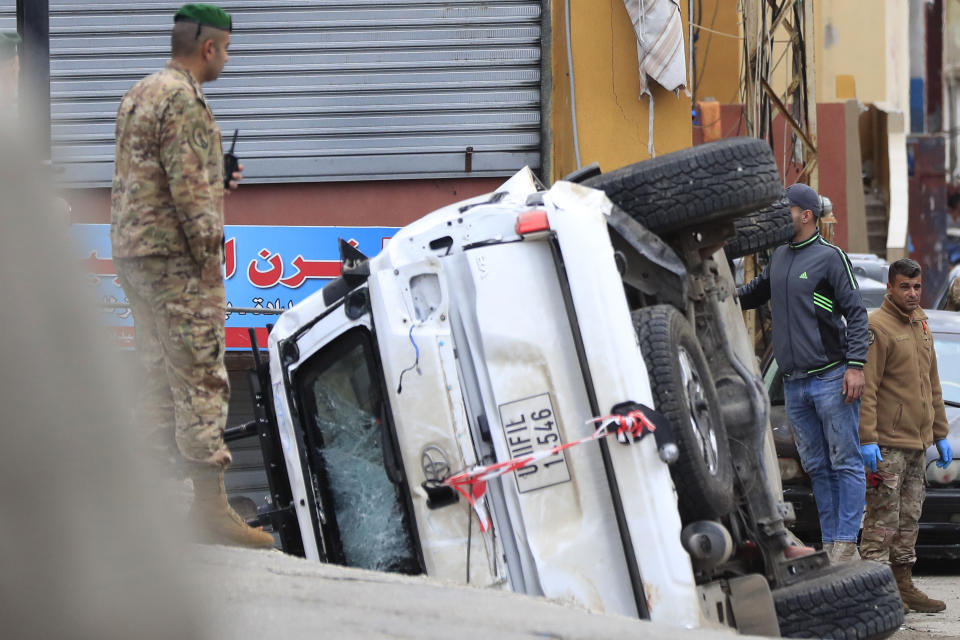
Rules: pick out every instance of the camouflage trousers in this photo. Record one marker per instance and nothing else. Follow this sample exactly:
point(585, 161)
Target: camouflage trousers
point(179, 338)
point(893, 507)
point(953, 296)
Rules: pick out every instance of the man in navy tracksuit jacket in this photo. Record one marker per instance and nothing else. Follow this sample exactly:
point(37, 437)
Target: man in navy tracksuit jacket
point(811, 289)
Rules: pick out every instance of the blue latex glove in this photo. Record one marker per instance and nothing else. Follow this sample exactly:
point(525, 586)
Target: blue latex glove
point(946, 453)
point(870, 454)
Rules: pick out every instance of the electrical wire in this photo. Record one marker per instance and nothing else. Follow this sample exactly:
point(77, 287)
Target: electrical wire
point(690, 41)
point(759, 121)
point(737, 93)
point(786, 83)
point(694, 37)
point(714, 32)
point(740, 92)
point(573, 90)
point(416, 362)
point(746, 71)
point(731, 35)
point(706, 51)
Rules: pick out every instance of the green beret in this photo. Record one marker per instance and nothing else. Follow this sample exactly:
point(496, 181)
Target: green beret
point(205, 14)
point(9, 41)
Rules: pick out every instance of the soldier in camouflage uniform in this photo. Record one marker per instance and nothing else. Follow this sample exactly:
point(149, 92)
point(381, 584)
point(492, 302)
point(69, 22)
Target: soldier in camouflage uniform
point(953, 296)
point(167, 236)
point(901, 414)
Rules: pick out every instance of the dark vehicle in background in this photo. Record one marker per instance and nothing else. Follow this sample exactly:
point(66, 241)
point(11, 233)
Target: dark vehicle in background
point(940, 521)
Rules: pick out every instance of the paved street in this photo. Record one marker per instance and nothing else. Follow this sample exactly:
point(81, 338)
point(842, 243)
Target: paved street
point(267, 593)
point(250, 594)
point(943, 584)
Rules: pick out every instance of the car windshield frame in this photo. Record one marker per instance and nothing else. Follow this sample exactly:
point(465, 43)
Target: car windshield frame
point(347, 426)
point(947, 347)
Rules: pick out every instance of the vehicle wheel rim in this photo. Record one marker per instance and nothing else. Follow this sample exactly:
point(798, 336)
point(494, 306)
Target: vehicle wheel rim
point(699, 408)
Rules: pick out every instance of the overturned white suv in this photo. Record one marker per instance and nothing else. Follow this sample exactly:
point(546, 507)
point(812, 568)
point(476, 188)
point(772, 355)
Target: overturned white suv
point(444, 408)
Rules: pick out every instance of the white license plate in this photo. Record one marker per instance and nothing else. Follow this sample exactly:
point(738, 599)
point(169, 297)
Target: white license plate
point(530, 425)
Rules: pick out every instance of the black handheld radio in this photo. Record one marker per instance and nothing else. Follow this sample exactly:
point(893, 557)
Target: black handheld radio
point(230, 162)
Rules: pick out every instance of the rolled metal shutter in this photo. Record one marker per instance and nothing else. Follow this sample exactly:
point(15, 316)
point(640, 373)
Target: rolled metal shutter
point(8, 15)
point(319, 90)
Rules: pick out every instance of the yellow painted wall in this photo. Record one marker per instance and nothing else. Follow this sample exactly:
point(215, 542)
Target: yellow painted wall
point(865, 39)
point(951, 37)
point(868, 39)
point(850, 42)
point(718, 56)
point(898, 56)
point(612, 119)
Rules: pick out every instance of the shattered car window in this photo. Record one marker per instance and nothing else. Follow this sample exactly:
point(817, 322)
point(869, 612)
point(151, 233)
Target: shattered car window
point(370, 517)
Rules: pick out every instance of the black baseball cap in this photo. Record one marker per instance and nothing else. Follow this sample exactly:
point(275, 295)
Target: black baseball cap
point(804, 197)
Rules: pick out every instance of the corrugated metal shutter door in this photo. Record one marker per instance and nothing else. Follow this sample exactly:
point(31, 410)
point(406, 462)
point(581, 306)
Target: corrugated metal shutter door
point(320, 90)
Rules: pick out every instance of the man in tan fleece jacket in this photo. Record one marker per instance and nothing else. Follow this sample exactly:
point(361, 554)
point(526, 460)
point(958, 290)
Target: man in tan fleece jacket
point(901, 414)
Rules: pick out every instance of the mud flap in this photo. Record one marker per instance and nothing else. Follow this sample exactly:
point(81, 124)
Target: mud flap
point(752, 606)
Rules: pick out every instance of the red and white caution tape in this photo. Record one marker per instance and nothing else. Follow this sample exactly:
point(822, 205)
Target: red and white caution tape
point(472, 484)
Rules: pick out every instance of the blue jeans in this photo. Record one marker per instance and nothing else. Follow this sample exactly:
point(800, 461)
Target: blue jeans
point(826, 431)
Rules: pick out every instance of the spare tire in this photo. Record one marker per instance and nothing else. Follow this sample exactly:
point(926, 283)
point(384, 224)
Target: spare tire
point(684, 392)
point(850, 601)
point(708, 183)
point(764, 229)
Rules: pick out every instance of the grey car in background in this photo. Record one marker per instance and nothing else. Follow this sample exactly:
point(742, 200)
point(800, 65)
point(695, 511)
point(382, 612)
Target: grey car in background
point(871, 273)
point(940, 521)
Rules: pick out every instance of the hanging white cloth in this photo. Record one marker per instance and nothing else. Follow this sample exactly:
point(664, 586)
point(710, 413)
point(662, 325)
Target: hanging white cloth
point(659, 47)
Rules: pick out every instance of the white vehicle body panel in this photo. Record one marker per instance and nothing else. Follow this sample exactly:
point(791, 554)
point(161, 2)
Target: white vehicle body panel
point(486, 331)
point(566, 531)
point(429, 411)
point(619, 374)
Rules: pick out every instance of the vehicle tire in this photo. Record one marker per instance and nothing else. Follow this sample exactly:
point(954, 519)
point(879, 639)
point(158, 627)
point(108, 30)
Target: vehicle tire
point(764, 229)
point(711, 182)
point(683, 391)
point(850, 601)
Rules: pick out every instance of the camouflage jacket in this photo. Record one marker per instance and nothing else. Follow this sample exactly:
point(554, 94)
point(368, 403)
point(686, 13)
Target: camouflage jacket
point(953, 296)
point(167, 196)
